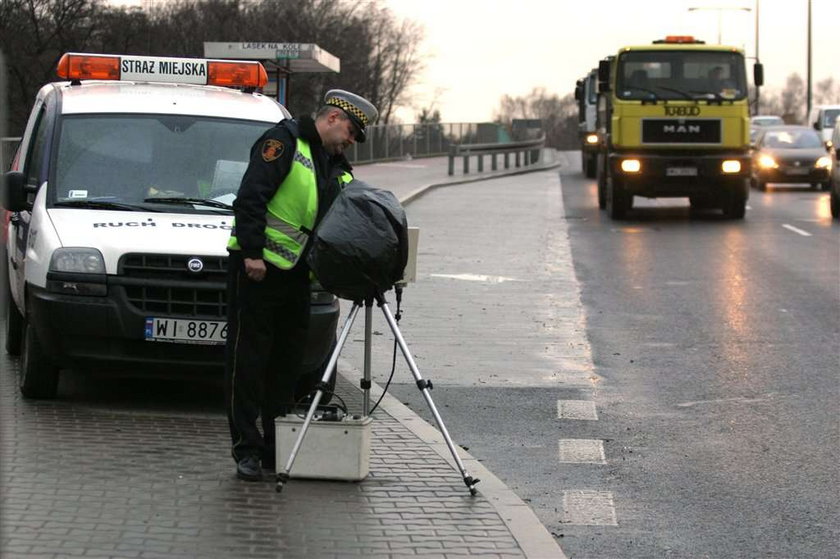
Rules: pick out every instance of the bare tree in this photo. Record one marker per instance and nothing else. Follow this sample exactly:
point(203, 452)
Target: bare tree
point(793, 99)
point(557, 115)
point(827, 92)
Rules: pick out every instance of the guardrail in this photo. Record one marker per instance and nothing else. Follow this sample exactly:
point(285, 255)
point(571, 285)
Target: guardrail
point(8, 146)
point(400, 141)
point(526, 153)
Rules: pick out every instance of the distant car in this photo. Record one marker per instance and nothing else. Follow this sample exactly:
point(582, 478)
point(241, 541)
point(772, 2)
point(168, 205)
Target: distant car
point(834, 181)
point(790, 154)
point(822, 119)
point(758, 122)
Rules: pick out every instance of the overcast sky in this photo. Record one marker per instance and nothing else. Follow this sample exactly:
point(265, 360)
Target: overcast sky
point(479, 50)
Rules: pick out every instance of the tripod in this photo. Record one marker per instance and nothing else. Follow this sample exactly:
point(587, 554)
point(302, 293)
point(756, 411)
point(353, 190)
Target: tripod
point(422, 384)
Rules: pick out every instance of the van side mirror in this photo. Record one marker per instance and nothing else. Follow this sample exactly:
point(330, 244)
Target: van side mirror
point(758, 74)
point(13, 192)
point(603, 76)
point(816, 125)
point(578, 92)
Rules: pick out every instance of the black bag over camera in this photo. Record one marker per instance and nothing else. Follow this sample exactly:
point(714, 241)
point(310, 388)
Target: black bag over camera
point(360, 248)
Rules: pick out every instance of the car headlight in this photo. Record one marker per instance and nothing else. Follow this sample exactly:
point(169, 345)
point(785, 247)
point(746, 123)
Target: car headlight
point(767, 162)
point(77, 271)
point(823, 162)
point(592, 139)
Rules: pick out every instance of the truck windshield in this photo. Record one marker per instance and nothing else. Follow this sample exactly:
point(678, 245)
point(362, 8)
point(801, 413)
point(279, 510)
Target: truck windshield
point(666, 75)
point(133, 158)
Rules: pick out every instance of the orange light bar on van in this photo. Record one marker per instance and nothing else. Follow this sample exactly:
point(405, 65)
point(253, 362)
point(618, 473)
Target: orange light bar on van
point(74, 66)
point(162, 69)
point(236, 74)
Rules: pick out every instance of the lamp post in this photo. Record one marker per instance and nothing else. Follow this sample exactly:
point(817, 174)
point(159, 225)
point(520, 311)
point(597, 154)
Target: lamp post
point(720, 10)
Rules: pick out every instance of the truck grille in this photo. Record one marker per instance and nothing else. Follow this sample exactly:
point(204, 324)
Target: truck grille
point(681, 131)
point(163, 284)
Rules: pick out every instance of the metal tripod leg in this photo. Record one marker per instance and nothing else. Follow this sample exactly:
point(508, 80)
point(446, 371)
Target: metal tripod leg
point(424, 386)
point(283, 476)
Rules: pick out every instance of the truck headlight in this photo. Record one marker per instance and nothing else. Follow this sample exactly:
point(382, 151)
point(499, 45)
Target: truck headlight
point(77, 271)
point(767, 162)
point(731, 166)
point(823, 162)
point(592, 139)
point(631, 165)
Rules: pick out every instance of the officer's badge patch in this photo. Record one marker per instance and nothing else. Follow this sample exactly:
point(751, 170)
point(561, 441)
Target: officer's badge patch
point(271, 150)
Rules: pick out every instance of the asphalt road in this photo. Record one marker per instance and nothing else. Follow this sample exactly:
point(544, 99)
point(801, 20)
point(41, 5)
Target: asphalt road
point(715, 363)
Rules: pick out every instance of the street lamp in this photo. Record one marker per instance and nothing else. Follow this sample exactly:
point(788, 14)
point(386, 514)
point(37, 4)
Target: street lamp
point(720, 10)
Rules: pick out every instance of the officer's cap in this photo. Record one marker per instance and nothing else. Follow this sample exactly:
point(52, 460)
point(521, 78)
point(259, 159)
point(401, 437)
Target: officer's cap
point(360, 110)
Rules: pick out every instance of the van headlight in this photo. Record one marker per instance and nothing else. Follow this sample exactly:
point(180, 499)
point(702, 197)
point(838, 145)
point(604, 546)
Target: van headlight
point(77, 271)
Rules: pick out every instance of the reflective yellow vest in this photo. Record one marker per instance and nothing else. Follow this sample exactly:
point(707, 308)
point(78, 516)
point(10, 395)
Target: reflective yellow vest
point(291, 212)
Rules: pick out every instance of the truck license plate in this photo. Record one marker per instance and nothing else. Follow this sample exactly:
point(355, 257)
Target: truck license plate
point(681, 171)
point(186, 331)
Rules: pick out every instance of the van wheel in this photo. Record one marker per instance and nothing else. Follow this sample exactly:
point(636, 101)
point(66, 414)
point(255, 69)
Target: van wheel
point(38, 376)
point(14, 326)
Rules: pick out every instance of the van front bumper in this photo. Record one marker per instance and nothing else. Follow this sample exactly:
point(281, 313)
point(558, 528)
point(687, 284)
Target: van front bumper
point(107, 333)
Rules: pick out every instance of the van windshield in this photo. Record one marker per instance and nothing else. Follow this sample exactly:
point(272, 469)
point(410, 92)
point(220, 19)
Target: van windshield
point(132, 158)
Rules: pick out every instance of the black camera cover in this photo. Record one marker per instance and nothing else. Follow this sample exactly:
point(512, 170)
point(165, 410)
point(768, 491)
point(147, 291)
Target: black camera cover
point(360, 248)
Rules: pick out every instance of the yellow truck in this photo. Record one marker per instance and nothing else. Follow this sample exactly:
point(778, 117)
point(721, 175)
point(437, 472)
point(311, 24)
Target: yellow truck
point(674, 122)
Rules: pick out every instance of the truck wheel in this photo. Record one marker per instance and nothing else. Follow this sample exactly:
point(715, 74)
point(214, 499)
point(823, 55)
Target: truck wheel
point(734, 204)
point(38, 376)
point(602, 182)
point(14, 325)
point(619, 201)
point(591, 164)
point(835, 204)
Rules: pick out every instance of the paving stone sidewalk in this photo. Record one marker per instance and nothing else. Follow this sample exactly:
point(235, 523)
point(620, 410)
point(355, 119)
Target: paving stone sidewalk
point(85, 480)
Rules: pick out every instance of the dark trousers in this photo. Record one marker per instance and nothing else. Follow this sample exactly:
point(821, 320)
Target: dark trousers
point(266, 340)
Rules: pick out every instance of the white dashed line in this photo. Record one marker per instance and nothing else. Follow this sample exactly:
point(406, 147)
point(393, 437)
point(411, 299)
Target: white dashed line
point(796, 230)
point(589, 508)
point(581, 451)
point(576, 409)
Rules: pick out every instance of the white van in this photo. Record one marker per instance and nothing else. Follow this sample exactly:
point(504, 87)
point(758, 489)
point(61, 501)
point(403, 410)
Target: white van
point(118, 213)
point(822, 118)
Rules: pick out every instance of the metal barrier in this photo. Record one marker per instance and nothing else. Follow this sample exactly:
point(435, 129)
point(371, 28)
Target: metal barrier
point(526, 153)
point(8, 146)
point(401, 141)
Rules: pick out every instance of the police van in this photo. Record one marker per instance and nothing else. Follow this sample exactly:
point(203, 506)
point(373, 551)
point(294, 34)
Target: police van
point(118, 212)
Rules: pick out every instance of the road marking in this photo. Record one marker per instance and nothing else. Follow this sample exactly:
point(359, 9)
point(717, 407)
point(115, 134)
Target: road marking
point(589, 508)
point(581, 451)
point(796, 230)
point(475, 277)
point(576, 409)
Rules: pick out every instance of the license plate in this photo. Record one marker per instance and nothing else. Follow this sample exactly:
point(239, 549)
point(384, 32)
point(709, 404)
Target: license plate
point(797, 171)
point(681, 171)
point(186, 331)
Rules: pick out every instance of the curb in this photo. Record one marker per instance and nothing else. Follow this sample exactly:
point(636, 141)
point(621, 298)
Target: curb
point(420, 191)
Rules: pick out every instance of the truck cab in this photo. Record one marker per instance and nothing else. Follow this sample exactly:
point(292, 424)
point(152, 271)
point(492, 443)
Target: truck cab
point(676, 125)
point(586, 95)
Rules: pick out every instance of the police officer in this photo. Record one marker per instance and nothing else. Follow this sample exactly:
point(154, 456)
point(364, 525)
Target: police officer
point(295, 172)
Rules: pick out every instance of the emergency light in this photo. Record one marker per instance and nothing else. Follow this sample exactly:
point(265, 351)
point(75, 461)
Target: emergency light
point(197, 71)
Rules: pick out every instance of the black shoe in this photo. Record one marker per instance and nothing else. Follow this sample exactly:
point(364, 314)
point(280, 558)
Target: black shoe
point(249, 469)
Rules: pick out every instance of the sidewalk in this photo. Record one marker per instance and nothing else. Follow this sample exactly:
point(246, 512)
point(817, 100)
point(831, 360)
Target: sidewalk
point(495, 523)
point(95, 478)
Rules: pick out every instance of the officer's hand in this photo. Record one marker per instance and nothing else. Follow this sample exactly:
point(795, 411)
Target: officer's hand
point(255, 269)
